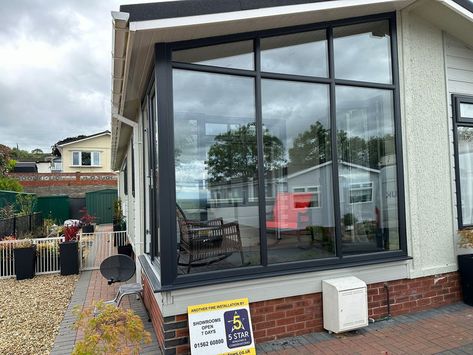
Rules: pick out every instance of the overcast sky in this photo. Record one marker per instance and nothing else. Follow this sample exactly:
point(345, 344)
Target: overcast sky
point(55, 60)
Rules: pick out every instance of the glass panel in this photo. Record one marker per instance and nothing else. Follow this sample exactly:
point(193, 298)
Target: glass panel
point(95, 158)
point(147, 180)
point(300, 54)
point(238, 55)
point(299, 208)
point(156, 230)
point(367, 170)
point(86, 158)
point(216, 171)
point(363, 52)
point(465, 162)
point(75, 158)
point(466, 110)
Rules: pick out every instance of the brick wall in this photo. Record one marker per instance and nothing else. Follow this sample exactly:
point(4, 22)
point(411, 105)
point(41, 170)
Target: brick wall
point(71, 184)
point(299, 315)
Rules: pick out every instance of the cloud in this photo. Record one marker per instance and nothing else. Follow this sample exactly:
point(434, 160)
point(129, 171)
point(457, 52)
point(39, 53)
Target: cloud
point(56, 70)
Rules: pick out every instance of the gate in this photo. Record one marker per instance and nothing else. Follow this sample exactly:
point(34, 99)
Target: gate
point(97, 246)
point(100, 204)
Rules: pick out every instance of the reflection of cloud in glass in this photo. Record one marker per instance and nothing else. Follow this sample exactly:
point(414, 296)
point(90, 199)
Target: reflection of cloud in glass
point(363, 52)
point(364, 112)
point(289, 108)
point(300, 53)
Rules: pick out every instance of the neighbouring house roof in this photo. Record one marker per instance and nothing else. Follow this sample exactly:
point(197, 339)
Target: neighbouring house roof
point(25, 167)
point(80, 139)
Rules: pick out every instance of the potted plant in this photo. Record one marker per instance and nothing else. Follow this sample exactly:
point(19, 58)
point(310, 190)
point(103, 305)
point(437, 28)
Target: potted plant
point(117, 216)
point(86, 221)
point(69, 251)
point(25, 259)
point(109, 330)
point(6, 255)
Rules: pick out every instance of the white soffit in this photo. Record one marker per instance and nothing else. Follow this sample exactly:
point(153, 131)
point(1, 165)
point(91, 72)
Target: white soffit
point(184, 28)
point(450, 17)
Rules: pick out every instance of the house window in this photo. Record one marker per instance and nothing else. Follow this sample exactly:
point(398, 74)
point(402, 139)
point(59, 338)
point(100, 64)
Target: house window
point(463, 130)
point(361, 192)
point(280, 117)
point(86, 158)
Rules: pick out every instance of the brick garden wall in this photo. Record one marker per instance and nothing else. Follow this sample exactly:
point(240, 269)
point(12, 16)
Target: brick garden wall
point(299, 315)
point(71, 184)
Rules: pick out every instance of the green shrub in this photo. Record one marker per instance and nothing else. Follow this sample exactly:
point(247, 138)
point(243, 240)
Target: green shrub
point(9, 184)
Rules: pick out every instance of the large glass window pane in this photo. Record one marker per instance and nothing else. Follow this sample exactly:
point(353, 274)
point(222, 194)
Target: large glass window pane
point(298, 171)
point(367, 170)
point(465, 162)
point(300, 54)
point(238, 55)
point(216, 171)
point(363, 52)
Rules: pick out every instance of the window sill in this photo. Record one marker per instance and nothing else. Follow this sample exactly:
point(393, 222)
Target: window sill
point(85, 166)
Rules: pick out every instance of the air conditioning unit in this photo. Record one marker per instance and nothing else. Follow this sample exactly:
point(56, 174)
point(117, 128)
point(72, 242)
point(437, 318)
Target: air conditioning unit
point(345, 304)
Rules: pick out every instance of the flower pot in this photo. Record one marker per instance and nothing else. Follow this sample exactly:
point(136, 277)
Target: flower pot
point(88, 228)
point(25, 262)
point(465, 269)
point(69, 258)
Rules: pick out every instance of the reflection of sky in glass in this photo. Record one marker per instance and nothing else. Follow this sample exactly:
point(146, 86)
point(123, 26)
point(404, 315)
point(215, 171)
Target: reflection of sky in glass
point(301, 54)
point(290, 108)
point(465, 160)
point(363, 112)
point(363, 52)
point(466, 110)
point(238, 55)
point(202, 101)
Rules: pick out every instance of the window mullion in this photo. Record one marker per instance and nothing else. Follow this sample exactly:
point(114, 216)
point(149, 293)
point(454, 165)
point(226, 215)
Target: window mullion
point(260, 150)
point(333, 131)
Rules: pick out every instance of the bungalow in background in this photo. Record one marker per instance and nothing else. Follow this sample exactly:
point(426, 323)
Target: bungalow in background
point(321, 139)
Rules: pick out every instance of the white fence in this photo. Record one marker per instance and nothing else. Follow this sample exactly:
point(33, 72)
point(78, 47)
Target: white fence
point(94, 248)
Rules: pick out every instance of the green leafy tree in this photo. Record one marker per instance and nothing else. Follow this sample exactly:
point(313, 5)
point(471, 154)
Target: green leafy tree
point(5, 153)
point(10, 184)
point(310, 148)
point(234, 156)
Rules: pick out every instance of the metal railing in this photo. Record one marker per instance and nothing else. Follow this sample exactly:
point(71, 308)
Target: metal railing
point(21, 225)
point(93, 249)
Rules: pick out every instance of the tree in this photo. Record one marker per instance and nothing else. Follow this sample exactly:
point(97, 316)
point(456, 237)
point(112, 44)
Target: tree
point(5, 153)
point(234, 155)
point(36, 151)
point(310, 148)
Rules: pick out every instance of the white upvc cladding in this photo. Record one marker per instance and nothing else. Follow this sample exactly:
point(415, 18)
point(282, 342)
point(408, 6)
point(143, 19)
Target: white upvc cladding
point(459, 71)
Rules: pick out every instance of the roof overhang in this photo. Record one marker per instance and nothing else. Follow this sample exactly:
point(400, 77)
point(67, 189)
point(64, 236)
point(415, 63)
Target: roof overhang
point(133, 44)
point(457, 20)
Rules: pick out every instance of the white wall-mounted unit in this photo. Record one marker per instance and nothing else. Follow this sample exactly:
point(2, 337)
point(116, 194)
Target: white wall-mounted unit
point(345, 304)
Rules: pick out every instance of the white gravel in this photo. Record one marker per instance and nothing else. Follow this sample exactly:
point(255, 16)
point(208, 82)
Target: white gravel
point(31, 312)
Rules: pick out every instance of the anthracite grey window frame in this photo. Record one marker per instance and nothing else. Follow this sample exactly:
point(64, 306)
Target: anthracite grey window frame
point(162, 78)
point(459, 121)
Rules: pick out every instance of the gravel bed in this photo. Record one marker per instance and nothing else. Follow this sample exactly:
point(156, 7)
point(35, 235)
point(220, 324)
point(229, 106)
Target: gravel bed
point(31, 312)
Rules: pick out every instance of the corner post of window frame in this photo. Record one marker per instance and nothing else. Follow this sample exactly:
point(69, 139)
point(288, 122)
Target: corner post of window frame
point(333, 145)
point(455, 113)
point(260, 150)
point(166, 178)
point(398, 135)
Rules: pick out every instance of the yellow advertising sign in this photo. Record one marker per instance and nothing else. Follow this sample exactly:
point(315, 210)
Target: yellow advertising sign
point(221, 328)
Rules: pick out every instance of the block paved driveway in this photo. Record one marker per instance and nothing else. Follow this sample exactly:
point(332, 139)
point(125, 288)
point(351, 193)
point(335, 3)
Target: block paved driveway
point(446, 330)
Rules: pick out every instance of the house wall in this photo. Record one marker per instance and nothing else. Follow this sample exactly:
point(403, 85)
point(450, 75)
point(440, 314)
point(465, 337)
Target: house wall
point(459, 71)
point(430, 279)
point(100, 143)
point(429, 201)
